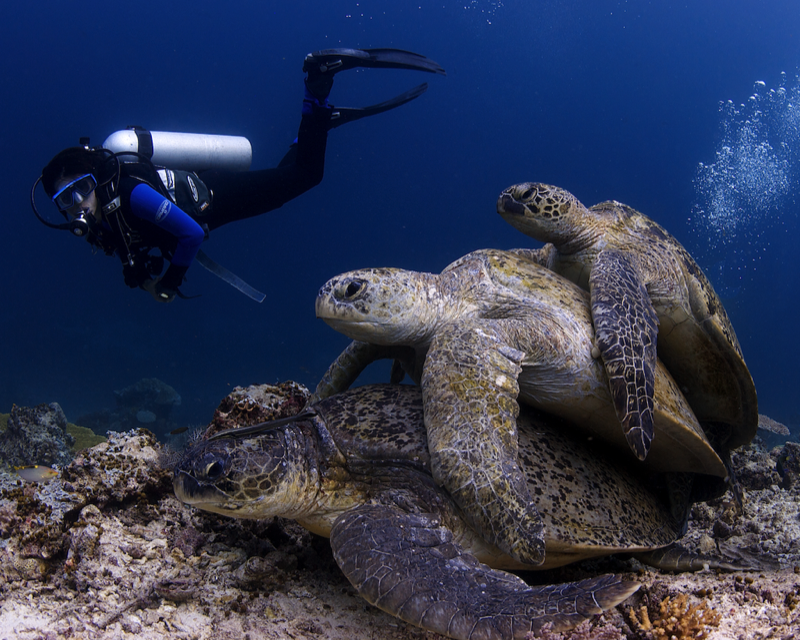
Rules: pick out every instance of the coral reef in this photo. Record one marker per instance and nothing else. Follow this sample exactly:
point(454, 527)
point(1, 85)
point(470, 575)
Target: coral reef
point(246, 406)
point(676, 618)
point(39, 515)
point(587, 630)
point(84, 437)
point(150, 394)
point(755, 468)
point(787, 463)
point(768, 424)
point(36, 435)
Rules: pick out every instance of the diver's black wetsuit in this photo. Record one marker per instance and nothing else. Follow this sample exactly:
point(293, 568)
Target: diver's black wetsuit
point(244, 194)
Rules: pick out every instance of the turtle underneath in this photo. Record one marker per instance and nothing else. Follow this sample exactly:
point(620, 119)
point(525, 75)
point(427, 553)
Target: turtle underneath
point(355, 467)
point(647, 293)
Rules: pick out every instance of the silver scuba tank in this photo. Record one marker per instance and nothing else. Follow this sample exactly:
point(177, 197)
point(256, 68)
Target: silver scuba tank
point(189, 151)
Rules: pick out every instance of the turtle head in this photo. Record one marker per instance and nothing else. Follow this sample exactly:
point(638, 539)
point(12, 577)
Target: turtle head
point(380, 306)
point(543, 212)
point(246, 477)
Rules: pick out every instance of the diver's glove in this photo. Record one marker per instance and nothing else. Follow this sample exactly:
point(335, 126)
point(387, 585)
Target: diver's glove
point(134, 274)
point(165, 288)
point(155, 288)
point(143, 268)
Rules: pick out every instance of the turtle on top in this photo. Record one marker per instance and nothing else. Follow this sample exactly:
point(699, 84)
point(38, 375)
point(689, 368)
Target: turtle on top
point(125, 205)
point(648, 294)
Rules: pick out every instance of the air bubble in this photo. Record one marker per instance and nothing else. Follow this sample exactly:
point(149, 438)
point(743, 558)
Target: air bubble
point(756, 168)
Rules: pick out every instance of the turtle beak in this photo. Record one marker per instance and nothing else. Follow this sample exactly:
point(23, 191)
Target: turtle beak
point(507, 204)
point(190, 490)
point(186, 487)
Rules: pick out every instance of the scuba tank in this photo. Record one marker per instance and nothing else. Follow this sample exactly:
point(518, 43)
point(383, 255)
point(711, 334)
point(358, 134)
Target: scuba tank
point(188, 151)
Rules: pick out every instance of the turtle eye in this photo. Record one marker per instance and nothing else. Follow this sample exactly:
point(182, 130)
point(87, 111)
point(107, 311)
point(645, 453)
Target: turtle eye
point(526, 195)
point(214, 470)
point(352, 289)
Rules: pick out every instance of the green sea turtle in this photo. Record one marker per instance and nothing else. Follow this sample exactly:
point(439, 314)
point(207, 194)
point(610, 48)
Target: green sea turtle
point(647, 292)
point(492, 327)
point(355, 467)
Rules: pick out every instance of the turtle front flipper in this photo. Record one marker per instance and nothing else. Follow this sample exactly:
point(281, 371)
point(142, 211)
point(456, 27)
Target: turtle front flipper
point(351, 362)
point(469, 391)
point(409, 566)
point(626, 330)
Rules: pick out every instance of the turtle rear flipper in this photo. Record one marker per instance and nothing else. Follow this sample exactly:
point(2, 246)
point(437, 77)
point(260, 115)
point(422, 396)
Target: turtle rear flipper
point(626, 330)
point(469, 390)
point(676, 558)
point(409, 566)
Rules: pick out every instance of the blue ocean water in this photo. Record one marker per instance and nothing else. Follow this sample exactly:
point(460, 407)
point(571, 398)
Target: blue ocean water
point(686, 111)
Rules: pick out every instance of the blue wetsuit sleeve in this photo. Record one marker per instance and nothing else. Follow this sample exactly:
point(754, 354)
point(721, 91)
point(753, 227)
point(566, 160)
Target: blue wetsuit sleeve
point(148, 204)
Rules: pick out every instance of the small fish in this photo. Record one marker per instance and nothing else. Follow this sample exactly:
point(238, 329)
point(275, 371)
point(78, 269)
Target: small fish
point(178, 431)
point(36, 473)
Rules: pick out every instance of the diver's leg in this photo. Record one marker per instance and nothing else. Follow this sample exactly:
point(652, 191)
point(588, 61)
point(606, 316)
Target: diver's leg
point(240, 195)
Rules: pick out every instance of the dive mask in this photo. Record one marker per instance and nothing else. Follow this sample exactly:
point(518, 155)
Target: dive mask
point(75, 192)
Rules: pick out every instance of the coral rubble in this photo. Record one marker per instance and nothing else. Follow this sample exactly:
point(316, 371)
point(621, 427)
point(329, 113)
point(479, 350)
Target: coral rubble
point(36, 435)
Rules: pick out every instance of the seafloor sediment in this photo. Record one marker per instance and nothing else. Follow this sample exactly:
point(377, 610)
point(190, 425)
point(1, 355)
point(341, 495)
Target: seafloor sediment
point(106, 551)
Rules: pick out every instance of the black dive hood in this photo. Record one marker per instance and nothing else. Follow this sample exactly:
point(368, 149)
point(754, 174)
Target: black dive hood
point(81, 225)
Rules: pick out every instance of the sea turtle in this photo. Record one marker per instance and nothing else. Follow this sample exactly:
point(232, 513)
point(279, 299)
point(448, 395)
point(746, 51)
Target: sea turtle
point(495, 325)
point(647, 292)
point(355, 467)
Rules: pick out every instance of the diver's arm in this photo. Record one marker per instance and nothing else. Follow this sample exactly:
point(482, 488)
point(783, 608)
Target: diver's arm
point(148, 204)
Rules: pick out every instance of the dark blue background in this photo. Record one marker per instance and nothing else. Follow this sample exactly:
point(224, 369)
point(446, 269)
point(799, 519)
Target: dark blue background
point(611, 100)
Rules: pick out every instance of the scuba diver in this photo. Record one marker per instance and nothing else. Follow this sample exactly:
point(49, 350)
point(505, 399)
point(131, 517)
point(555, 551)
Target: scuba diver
point(128, 198)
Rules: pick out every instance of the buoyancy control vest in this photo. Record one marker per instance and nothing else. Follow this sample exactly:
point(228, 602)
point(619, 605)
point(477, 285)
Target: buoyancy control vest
point(167, 162)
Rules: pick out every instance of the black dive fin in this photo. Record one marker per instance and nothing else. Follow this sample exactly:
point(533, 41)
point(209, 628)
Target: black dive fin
point(343, 115)
point(334, 60)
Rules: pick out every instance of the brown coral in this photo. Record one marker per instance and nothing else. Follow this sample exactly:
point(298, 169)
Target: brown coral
point(246, 406)
point(676, 619)
point(39, 517)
